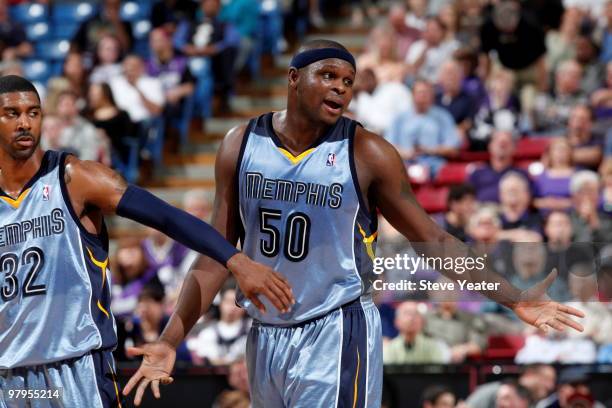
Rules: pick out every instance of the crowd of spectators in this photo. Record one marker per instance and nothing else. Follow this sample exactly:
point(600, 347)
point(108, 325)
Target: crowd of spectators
point(437, 79)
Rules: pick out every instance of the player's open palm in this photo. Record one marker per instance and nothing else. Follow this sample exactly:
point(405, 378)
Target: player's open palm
point(537, 309)
point(256, 279)
point(157, 363)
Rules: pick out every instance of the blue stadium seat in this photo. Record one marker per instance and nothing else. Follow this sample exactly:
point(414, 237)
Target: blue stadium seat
point(36, 70)
point(29, 13)
point(135, 11)
point(52, 49)
point(141, 29)
point(64, 31)
point(73, 12)
point(38, 31)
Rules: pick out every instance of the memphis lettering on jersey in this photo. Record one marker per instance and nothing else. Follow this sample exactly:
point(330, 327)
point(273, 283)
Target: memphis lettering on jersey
point(43, 226)
point(321, 195)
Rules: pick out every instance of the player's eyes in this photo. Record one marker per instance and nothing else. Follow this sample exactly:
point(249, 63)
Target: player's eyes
point(348, 82)
point(327, 75)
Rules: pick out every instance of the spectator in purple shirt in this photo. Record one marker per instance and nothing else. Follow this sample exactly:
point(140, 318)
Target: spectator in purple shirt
point(451, 96)
point(486, 179)
point(518, 221)
point(552, 185)
point(586, 147)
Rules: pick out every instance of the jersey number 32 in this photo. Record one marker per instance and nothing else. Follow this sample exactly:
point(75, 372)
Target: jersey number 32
point(33, 259)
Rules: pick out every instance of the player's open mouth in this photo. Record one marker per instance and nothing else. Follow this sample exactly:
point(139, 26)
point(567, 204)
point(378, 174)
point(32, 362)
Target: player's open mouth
point(332, 106)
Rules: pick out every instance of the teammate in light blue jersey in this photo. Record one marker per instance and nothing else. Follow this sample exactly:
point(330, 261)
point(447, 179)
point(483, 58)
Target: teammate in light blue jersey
point(57, 331)
point(300, 189)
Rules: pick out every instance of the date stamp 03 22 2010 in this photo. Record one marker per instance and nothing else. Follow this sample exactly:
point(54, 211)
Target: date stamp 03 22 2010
point(17, 393)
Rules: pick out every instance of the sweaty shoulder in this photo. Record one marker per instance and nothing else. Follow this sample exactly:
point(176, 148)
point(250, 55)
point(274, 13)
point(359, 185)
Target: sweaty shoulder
point(373, 155)
point(229, 150)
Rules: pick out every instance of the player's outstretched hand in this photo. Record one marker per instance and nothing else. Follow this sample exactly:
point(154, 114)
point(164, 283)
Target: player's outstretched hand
point(158, 360)
point(255, 279)
point(537, 309)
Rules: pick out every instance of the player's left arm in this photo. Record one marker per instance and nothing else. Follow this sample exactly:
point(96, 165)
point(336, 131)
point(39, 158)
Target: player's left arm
point(94, 187)
point(383, 177)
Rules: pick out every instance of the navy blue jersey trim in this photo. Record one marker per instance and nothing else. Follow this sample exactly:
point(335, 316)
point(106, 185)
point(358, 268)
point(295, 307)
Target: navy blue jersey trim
point(47, 165)
point(362, 200)
point(98, 239)
point(269, 128)
point(245, 138)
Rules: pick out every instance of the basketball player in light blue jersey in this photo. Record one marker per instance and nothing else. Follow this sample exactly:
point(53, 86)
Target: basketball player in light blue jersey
point(300, 189)
point(57, 331)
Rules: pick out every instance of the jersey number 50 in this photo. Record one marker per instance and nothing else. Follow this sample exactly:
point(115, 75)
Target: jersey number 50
point(9, 263)
point(297, 234)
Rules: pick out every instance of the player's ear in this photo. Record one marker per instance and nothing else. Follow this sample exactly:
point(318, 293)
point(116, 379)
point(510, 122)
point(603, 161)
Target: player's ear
point(293, 76)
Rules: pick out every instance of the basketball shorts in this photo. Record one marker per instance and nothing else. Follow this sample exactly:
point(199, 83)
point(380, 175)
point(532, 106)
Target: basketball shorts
point(88, 381)
point(328, 362)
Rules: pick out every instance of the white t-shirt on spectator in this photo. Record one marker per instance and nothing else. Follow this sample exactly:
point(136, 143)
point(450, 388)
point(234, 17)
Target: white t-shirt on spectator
point(128, 99)
point(434, 58)
point(377, 111)
point(207, 344)
point(105, 73)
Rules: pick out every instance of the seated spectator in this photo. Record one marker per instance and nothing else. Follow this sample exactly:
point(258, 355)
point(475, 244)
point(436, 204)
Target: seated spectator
point(55, 86)
point(561, 42)
point(150, 320)
point(51, 130)
point(172, 70)
point(223, 341)
point(552, 110)
point(498, 109)
point(451, 96)
point(107, 61)
point(427, 134)
point(107, 21)
point(215, 38)
point(519, 45)
point(131, 273)
point(462, 331)
point(411, 346)
point(552, 185)
point(76, 74)
point(484, 227)
point(588, 222)
point(78, 136)
point(165, 255)
point(376, 105)
point(515, 207)
point(601, 99)
point(381, 56)
point(586, 147)
point(473, 84)
point(140, 95)
point(425, 56)
point(562, 254)
point(537, 379)
point(597, 321)
point(437, 396)
point(512, 395)
point(405, 35)
point(13, 41)
point(461, 203)
point(238, 379)
point(486, 179)
point(573, 390)
point(587, 55)
point(605, 172)
point(528, 269)
point(244, 16)
point(107, 117)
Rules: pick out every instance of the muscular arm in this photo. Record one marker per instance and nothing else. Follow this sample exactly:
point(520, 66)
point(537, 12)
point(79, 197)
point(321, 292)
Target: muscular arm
point(381, 171)
point(207, 276)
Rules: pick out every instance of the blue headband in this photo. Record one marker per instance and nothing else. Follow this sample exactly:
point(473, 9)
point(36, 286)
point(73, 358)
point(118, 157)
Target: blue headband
point(308, 57)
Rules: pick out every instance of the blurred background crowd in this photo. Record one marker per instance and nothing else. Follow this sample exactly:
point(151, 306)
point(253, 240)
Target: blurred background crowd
point(501, 110)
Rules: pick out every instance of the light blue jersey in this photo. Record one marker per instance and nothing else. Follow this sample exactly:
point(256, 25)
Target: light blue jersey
point(54, 277)
point(304, 216)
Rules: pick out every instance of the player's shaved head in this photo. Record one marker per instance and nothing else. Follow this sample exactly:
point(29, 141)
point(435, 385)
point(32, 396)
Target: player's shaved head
point(14, 83)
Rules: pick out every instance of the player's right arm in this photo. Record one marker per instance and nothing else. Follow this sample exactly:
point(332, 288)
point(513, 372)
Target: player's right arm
point(206, 278)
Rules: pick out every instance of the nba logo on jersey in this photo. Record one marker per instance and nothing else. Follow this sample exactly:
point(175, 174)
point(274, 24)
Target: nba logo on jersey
point(45, 192)
point(331, 159)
